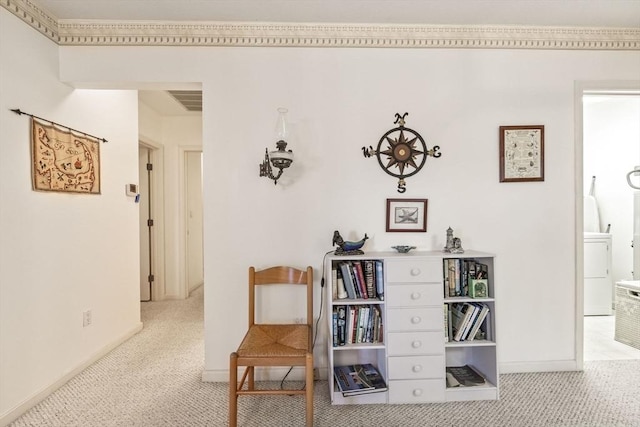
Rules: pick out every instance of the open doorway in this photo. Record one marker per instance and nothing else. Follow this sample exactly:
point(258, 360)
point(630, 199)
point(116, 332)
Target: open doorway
point(194, 218)
point(170, 123)
point(610, 135)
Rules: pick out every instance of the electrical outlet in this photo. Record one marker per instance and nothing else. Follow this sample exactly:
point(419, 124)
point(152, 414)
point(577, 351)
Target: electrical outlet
point(86, 318)
point(300, 320)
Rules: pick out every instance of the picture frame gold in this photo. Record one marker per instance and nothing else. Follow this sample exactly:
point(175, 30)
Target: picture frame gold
point(407, 215)
point(521, 153)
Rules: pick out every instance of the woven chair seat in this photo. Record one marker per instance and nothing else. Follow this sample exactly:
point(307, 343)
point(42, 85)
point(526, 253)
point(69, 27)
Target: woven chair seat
point(275, 340)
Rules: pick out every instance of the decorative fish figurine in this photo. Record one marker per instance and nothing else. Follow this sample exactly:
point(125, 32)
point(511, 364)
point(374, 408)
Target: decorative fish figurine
point(346, 247)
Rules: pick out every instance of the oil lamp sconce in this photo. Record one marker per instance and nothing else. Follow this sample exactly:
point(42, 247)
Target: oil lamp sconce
point(401, 152)
point(281, 158)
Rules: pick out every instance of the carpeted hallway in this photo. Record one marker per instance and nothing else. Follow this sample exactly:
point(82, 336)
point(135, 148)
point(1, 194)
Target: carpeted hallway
point(154, 379)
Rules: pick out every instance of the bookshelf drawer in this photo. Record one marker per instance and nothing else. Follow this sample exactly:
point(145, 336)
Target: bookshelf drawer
point(414, 295)
point(416, 391)
point(416, 367)
point(413, 343)
point(414, 270)
point(414, 319)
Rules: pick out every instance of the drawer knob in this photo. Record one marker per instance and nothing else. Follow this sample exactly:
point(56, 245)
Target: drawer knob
point(415, 271)
point(417, 392)
point(415, 295)
point(416, 344)
point(415, 320)
point(417, 368)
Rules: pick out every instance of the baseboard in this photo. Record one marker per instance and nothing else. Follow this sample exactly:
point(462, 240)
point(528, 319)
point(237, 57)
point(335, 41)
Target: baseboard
point(547, 366)
point(264, 374)
point(19, 410)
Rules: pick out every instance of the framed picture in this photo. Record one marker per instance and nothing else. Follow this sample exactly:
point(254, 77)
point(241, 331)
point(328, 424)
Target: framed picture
point(407, 215)
point(521, 153)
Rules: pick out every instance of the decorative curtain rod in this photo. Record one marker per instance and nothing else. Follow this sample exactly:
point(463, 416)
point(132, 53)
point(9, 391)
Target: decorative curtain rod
point(18, 112)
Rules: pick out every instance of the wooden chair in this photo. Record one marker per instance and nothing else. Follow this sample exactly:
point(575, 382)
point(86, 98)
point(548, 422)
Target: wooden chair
point(274, 344)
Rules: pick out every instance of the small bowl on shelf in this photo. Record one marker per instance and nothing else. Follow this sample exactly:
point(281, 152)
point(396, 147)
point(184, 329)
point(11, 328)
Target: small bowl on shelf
point(403, 249)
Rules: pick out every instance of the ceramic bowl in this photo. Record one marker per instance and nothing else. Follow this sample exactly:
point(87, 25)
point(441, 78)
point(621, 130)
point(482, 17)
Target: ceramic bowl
point(403, 249)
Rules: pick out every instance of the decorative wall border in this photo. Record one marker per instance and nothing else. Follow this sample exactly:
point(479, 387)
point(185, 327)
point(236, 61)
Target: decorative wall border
point(68, 32)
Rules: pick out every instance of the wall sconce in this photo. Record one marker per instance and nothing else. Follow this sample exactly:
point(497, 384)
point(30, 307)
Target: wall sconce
point(280, 158)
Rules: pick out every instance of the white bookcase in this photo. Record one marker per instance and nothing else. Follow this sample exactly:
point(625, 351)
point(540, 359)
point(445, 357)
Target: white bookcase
point(412, 353)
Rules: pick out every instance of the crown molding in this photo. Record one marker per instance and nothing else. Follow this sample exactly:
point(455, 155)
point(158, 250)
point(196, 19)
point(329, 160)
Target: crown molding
point(34, 16)
point(67, 32)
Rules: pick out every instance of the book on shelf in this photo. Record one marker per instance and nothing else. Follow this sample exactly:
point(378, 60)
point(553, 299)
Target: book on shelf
point(474, 309)
point(358, 274)
point(459, 274)
point(370, 277)
point(484, 311)
point(379, 279)
point(341, 324)
point(463, 376)
point(341, 292)
point(465, 320)
point(358, 279)
point(353, 380)
point(347, 278)
point(461, 315)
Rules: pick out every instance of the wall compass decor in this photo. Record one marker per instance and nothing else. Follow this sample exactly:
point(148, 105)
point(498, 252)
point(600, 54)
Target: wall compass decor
point(401, 152)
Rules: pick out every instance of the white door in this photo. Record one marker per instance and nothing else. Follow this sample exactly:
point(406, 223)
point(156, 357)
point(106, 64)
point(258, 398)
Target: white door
point(195, 259)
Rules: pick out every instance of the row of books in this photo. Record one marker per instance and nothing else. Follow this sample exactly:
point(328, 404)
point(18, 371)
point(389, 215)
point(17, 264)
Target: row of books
point(458, 272)
point(358, 279)
point(464, 321)
point(353, 380)
point(357, 324)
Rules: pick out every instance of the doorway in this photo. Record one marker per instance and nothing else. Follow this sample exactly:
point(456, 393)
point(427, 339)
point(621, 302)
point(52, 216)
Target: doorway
point(194, 219)
point(609, 133)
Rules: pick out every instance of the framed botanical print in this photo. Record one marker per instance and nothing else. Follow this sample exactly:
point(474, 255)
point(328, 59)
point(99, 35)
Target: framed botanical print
point(407, 215)
point(521, 153)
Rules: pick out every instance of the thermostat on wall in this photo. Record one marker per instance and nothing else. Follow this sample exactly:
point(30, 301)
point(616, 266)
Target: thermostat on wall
point(132, 190)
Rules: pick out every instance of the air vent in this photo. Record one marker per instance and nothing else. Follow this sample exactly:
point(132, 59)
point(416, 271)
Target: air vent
point(190, 99)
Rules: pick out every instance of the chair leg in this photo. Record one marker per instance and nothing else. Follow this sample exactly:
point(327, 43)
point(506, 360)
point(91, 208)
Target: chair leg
point(233, 388)
point(309, 389)
point(251, 380)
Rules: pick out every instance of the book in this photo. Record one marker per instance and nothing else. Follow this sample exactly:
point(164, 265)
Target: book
point(462, 313)
point(341, 291)
point(348, 280)
point(341, 325)
point(369, 277)
point(470, 320)
point(463, 376)
point(358, 379)
point(358, 273)
point(478, 323)
point(379, 279)
point(334, 323)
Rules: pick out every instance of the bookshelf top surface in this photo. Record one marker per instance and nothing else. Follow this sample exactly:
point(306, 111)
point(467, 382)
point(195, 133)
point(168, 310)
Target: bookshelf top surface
point(409, 255)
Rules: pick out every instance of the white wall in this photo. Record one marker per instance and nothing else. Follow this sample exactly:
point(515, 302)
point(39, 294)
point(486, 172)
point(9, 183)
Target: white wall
point(342, 99)
point(60, 254)
point(611, 150)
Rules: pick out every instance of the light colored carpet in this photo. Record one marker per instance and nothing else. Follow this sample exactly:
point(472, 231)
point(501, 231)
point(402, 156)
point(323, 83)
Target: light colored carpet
point(154, 379)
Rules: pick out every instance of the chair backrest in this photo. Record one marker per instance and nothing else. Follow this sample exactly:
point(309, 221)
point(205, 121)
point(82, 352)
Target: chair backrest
point(280, 275)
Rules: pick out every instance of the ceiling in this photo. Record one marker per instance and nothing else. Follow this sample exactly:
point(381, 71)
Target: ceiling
point(582, 13)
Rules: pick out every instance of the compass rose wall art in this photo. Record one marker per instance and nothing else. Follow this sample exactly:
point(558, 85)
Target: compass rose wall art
point(401, 152)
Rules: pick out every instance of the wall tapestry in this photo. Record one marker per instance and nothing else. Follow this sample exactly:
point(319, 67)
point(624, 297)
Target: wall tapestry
point(64, 160)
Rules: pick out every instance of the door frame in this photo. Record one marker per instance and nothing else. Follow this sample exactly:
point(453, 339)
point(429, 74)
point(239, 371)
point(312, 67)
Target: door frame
point(581, 88)
point(156, 184)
